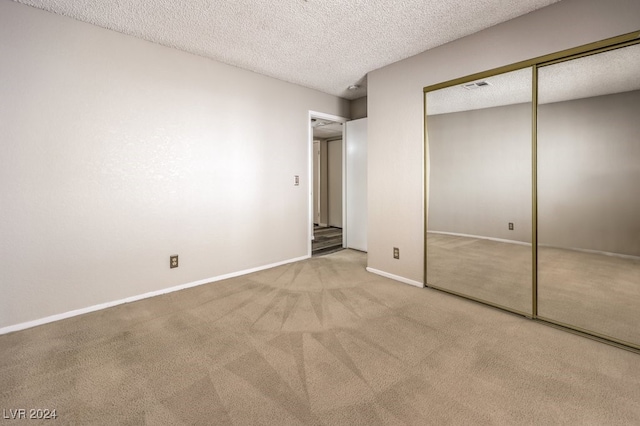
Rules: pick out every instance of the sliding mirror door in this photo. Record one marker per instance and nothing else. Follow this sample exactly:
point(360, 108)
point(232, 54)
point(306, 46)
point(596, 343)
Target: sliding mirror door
point(479, 228)
point(589, 194)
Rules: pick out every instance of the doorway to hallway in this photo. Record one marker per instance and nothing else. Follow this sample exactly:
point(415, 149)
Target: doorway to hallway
point(327, 187)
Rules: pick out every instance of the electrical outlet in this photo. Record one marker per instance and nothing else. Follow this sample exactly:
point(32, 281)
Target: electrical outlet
point(173, 261)
point(296, 180)
point(396, 253)
point(510, 226)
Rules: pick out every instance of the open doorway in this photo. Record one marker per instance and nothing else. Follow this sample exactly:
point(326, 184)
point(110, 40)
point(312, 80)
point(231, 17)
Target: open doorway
point(327, 218)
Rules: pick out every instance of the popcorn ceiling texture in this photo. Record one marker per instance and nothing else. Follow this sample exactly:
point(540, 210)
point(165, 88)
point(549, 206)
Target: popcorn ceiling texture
point(321, 44)
point(607, 73)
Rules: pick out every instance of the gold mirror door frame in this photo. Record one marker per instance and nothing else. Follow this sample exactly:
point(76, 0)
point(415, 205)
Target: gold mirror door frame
point(547, 316)
point(479, 189)
point(588, 144)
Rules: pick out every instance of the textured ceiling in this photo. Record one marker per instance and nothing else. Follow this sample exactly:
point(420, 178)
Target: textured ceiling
point(504, 89)
point(325, 129)
point(326, 45)
point(610, 72)
point(615, 71)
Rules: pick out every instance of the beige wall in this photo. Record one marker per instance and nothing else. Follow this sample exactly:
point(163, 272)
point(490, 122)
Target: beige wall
point(324, 183)
point(117, 153)
point(358, 108)
point(395, 111)
point(316, 182)
point(480, 175)
point(334, 182)
point(589, 174)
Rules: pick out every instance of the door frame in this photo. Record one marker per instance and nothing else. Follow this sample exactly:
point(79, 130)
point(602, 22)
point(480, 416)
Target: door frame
point(338, 119)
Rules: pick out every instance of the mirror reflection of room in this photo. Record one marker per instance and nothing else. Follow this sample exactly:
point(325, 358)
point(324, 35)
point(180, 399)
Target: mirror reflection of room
point(589, 193)
point(479, 226)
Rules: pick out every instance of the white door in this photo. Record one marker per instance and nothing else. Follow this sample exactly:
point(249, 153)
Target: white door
point(356, 184)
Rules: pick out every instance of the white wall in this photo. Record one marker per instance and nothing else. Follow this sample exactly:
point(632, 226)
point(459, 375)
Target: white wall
point(394, 103)
point(117, 153)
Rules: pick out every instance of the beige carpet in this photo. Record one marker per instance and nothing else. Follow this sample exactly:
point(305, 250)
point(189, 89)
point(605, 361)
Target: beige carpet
point(316, 342)
point(595, 292)
point(487, 270)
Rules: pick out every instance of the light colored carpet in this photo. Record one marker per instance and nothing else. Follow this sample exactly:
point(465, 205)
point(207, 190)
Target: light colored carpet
point(595, 292)
point(488, 270)
point(315, 342)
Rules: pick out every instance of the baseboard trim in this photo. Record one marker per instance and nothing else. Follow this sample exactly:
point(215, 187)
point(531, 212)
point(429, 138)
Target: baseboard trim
point(89, 309)
point(481, 237)
point(395, 277)
point(501, 240)
point(600, 252)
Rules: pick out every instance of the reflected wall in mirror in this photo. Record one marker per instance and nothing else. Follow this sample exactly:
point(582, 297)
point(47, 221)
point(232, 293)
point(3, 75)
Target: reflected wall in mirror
point(479, 190)
point(589, 193)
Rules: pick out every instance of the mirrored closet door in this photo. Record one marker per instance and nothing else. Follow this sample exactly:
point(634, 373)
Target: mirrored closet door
point(532, 188)
point(588, 144)
point(479, 229)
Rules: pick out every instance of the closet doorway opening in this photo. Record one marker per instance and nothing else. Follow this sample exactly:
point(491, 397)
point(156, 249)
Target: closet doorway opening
point(327, 170)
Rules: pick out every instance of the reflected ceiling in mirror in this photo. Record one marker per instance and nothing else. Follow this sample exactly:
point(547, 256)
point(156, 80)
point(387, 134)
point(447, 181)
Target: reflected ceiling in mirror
point(616, 71)
point(503, 89)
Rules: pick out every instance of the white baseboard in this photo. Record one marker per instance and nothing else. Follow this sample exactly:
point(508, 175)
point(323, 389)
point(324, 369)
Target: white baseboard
point(76, 312)
point(600, 252)
point(605, 253)
point(396, 277)
point(481, 237)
